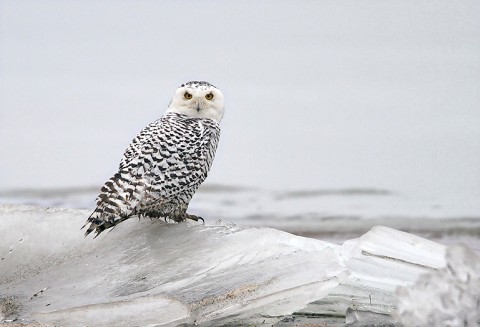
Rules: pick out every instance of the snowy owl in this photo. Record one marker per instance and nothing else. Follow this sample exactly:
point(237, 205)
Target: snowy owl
point(165, 163)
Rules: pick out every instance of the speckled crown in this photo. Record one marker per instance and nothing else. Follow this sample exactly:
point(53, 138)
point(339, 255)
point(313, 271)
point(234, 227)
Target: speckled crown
point(198, 84)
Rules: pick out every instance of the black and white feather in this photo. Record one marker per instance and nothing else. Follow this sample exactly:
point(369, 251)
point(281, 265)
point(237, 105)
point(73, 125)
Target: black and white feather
point(165, 163)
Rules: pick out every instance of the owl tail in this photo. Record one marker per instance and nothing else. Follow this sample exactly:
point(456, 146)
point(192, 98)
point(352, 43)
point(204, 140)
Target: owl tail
point(116, 203)
point(100, 221)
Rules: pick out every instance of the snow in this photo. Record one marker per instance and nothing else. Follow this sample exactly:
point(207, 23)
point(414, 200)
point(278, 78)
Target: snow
point(147, 272)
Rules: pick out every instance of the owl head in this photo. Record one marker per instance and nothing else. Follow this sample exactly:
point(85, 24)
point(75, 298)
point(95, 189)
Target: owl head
point(198, 100)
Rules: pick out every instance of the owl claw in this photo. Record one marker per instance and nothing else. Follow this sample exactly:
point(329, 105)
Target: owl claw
point(195, 218)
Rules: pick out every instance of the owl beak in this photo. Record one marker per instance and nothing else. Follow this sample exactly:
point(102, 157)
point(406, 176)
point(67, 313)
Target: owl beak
point(198, 104)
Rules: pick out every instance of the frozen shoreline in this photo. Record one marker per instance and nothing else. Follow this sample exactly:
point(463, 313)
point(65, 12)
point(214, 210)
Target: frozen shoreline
point(199, 274)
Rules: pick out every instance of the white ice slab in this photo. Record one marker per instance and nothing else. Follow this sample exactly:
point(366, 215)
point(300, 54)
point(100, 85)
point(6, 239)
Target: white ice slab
point(147, 272)
point(194, 272)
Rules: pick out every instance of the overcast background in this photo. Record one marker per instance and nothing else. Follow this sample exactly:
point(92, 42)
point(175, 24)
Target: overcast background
point(319, 94)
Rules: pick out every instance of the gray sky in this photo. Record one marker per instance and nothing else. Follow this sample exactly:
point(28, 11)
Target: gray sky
point(319, 94)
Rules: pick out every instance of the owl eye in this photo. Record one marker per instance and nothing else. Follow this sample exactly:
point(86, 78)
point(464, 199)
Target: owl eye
point(187, 95)
point(209, 96)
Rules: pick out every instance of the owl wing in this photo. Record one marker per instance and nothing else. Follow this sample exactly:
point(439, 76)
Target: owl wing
point(144, 138)
point(121, 194)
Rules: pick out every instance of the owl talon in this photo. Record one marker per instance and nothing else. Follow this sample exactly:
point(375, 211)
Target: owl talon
point(195, 218)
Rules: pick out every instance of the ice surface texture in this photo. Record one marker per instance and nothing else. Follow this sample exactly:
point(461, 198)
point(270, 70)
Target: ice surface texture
point(152, 273)
point(148, 272)
point(447, 297)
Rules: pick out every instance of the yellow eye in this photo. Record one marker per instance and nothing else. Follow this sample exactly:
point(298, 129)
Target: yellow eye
point(187, 95)
point(209, 96)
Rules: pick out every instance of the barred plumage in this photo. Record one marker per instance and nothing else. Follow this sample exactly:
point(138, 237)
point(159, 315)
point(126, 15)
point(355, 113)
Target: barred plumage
point(165, 163)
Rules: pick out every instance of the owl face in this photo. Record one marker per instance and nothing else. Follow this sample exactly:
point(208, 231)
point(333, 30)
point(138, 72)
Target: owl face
point(198, 100)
